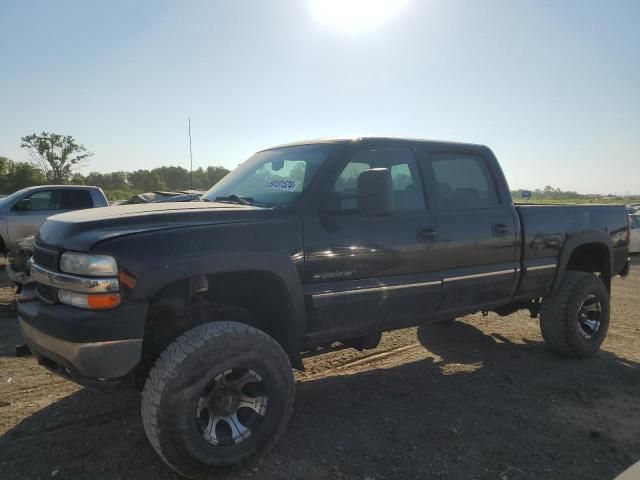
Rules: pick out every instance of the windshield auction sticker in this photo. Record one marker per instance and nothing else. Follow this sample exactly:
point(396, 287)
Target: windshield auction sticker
point(283, 184)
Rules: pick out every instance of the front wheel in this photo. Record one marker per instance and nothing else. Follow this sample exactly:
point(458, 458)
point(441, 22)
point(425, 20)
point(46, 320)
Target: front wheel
point(219, 395)
point(574, 321)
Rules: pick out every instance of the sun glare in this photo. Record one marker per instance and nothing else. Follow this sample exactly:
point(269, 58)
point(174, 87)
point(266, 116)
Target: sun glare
point(355, 16)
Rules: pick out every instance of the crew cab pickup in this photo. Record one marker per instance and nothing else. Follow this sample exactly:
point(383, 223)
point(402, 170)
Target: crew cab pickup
point(207, 305)
point(22, 212)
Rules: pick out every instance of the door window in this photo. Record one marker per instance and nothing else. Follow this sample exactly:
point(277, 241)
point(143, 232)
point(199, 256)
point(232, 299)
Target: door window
point(42, 200)
point(71, 199)
point(461, 181)
point(74, 199)
point(407, 189)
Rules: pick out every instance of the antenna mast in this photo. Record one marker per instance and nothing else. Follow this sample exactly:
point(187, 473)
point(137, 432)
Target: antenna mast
point(190, 154)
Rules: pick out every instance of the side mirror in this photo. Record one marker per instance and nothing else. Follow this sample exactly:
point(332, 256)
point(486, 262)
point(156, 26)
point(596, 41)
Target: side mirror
point(23, 205)
point(375, 192)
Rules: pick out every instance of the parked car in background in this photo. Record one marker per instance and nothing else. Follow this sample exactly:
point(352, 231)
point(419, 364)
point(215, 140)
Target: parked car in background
point(183, 197)
point(22, 212)
point(162, 196)
point(634, 240)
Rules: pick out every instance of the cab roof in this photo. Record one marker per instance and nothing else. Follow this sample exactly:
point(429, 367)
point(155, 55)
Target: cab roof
point(343, 140)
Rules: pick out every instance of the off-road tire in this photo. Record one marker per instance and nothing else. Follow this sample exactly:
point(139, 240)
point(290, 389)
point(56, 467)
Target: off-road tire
point(559, 315)
point(181, 373)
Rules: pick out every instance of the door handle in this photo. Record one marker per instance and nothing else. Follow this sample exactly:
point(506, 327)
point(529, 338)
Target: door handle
point(499, 229)
point(426, 234)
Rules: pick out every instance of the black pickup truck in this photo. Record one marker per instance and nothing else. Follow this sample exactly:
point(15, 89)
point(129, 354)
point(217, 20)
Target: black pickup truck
point(206, 305)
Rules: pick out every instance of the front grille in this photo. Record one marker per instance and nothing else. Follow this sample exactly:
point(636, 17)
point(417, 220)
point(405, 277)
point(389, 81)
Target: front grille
point(46, 257)
point(47, 293)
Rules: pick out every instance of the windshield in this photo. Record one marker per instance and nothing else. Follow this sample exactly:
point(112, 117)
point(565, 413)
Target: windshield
point(272, 177)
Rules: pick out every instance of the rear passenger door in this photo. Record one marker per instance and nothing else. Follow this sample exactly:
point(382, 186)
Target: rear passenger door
point(476, 225)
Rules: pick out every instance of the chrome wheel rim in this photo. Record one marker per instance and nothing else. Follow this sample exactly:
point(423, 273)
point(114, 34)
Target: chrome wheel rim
point(231, 407)
point(589, 317)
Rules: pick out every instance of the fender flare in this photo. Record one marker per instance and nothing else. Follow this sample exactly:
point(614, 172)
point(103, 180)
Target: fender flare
point(574, 242)
point(151, 281)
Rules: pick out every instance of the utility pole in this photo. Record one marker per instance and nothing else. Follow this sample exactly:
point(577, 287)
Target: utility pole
point(190, 154)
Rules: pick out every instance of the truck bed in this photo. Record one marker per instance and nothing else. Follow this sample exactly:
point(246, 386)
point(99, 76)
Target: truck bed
point(547, 230)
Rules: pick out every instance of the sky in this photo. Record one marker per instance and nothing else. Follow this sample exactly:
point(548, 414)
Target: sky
point(552, 86)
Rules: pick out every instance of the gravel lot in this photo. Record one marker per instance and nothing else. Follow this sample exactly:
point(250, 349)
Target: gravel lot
point(477, 399)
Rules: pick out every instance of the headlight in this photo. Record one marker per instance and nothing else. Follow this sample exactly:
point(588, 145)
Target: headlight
point(89, 265)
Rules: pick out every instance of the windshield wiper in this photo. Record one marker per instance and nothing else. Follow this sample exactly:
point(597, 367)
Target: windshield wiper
point(233, 198)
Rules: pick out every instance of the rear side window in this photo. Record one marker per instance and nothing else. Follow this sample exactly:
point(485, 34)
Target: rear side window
point(75, 199)
point(407, 188)
point(461, 181)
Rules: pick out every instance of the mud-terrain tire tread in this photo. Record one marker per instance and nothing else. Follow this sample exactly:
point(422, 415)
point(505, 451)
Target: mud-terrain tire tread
point(555, 315)
point(166, 367)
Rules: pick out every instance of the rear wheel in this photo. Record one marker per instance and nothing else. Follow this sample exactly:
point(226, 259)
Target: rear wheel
point(574, 321)
point(221, 394)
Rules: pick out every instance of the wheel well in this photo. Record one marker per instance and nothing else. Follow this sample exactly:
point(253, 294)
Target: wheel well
point(593, 258)
point(3, 248)
point(256, 298)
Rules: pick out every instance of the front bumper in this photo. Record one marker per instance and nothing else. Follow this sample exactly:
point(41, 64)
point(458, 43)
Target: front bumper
point(79, 344)
point(96, 360)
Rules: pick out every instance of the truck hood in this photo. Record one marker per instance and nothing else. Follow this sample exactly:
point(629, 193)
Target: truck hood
point(81, 229)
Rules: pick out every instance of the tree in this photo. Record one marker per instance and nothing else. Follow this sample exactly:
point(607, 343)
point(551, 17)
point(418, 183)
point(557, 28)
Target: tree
point(175, 178)
point(107, 181)
point(214, 175)
point(4, 163)
point(18, 175)
point(57, 156)
point(146, 181)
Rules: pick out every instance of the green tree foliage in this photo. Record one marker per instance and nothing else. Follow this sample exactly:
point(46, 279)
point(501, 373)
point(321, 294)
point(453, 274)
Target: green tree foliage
point(118, 185)
point(57, 156)
point(107, 181)
point(18, 175)
point(146, 181)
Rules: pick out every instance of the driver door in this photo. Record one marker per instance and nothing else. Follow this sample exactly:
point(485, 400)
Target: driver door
point(368, 273)
point(26, 215)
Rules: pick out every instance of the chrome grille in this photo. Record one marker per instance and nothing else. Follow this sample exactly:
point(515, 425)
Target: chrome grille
point(46, 257)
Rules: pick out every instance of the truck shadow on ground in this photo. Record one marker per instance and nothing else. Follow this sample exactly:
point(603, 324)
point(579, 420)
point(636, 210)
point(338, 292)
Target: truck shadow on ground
point(488, 408)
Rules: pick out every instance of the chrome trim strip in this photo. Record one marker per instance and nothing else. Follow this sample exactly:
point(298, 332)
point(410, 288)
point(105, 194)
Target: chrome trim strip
point(511, 271)
point(73, 283)
point(376, 289)
point(541, 267)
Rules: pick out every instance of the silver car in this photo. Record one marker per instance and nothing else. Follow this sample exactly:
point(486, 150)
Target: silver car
point(22, 212)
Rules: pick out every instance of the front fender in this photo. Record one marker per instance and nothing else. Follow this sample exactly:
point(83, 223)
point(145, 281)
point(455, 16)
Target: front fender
point(152, 280)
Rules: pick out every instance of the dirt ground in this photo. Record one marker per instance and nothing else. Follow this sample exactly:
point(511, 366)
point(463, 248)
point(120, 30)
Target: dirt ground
point(477, 399)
